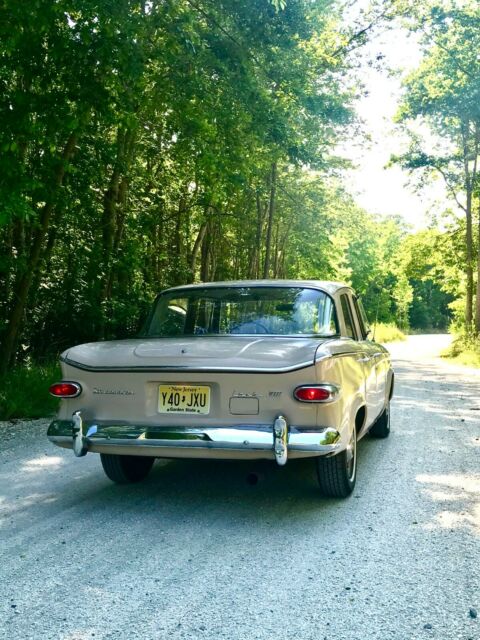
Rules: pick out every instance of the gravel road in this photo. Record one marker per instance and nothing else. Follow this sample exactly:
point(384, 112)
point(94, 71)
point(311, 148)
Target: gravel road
point(197, 552)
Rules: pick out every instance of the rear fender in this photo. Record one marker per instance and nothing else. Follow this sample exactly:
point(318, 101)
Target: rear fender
point(358, 403)
point(390, 384)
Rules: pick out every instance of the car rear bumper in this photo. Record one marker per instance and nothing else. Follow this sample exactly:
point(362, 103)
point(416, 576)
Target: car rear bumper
point(263, 441)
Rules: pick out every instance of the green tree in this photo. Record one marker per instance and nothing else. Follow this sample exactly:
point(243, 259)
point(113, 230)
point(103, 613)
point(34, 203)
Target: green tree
point(444, 93)
point(150, 144)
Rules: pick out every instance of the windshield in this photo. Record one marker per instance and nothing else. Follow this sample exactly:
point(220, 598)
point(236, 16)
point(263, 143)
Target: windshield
point(242, 311)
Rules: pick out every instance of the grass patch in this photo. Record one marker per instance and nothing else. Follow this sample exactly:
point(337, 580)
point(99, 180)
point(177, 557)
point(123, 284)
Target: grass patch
point(388, 333)
point(464, 350)
point(24, 392)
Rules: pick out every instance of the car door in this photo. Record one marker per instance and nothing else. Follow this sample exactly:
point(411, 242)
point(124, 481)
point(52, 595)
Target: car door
point(376, 355)
point(365, 354)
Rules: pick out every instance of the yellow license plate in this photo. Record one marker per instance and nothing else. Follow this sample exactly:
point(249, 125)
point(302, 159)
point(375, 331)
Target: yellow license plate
point(183, 398)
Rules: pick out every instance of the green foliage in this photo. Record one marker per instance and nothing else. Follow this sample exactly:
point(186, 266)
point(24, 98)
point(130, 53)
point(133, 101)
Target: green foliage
point(432, 268)
point(371, 259)
point(430, 309)
point(443, 94)
point(464, 350)
point(145, 145)
point(388, 332)
point(137, 144)
point(24, 392)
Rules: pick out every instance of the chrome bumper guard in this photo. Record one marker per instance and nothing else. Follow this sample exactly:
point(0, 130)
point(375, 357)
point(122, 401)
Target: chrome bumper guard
point(275, 440)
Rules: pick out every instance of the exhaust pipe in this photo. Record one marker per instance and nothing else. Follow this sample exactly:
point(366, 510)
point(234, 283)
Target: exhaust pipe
point(253, 478)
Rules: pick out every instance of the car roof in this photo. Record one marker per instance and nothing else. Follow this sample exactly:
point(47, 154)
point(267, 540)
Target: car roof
point(324, 285)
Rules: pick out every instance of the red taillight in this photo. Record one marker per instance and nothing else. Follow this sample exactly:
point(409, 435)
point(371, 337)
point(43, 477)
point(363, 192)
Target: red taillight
point(316, 393)
point(65, 389)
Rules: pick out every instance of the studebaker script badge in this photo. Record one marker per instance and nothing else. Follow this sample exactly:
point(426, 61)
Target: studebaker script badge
point(113, 392)
point(240, 394)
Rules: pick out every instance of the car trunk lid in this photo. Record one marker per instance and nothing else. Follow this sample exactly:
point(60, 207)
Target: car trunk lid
point(216, 353)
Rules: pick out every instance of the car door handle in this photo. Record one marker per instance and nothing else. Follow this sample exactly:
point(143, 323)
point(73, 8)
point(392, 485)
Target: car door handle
point(365, 359)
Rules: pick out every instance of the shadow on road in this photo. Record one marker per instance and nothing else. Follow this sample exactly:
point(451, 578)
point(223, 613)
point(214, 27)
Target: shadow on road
point(180, 491)
point(442, 412)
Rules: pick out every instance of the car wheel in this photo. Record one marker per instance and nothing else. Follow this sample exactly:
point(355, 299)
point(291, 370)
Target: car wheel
point(381, 427)
point(337, 475)
point(126, 469)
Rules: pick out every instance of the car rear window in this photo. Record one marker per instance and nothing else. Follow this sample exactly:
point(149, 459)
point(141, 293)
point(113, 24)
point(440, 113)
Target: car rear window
point(243, 311)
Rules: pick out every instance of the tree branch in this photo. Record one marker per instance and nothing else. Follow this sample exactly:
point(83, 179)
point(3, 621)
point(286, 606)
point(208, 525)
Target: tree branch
point(450, 188)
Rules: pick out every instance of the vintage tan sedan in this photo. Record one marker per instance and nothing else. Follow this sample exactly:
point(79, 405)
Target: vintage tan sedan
point(263, 369)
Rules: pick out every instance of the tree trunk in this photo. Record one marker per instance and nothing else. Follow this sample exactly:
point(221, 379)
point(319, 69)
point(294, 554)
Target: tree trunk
point(469, 262)
point(196, 249)
point(281, 253)
point(117, 237)
point(213, 254)
point(476, 149)
point(470, 179)
point(43, 262)
point(24, 281)
point(271, 212)
point(205, 253)
point(275, 257)
point(160, 256)
point(113, 219)
point(477, 301)
point(177, 255)
point(254, 265)
point(114, 197)
point(7, 241)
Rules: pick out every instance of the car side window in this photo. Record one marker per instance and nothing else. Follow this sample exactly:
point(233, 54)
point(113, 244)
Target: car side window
point(347, 316)
point(363, 316)
point(360, 317)
point(327, 318)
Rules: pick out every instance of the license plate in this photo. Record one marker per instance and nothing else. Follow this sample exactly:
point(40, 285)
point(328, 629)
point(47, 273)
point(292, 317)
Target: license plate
point(180, 398)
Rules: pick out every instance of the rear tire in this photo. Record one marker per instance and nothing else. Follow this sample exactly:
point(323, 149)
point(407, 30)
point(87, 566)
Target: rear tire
point(337, 475)
point(126, 469)
point(381, 427)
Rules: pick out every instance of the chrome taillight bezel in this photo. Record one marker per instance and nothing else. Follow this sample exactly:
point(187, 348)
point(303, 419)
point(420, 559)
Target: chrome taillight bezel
point(332, 390)
point(77, 385)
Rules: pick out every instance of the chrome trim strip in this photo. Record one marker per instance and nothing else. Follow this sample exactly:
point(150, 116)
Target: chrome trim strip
point(342, 354)
point(161, 448)
point(194, 454)
point(130, 369)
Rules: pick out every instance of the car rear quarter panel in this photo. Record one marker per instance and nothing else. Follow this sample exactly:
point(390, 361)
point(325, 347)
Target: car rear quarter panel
point(347, 372)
